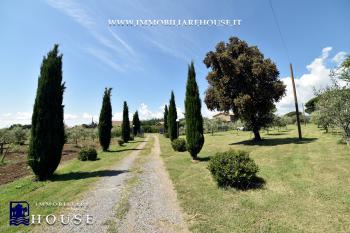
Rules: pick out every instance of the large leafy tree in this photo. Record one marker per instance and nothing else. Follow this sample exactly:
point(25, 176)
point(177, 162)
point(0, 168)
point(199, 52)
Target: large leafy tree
point(344, 70)
point(243, 81)
point(47, 132)
point(136, 124)
point(105, 121)
point(166, 120)
point(334, 109)
point(172, 116)
point(126, 123)
point(333, 105)
point(310, 106)
point(193, 115)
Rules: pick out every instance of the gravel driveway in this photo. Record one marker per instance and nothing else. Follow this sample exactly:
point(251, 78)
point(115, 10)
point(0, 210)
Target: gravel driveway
point(153, 204)
point(101, 200)
point(151, 201)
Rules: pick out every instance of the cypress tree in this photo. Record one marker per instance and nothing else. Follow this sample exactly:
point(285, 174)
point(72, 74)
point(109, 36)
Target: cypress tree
point(136, 124)
point(105, 121)
point(47, 132)
point(126, 123)
point(172, 116)
point(166, 121)
point(193, 115)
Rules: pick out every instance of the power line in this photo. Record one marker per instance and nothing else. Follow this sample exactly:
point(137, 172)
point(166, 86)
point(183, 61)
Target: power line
point(279, 31)
point(291, 71)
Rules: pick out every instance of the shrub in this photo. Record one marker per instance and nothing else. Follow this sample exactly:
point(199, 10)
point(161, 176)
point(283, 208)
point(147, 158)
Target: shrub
point(87, 153)
point(116, 132)
point(233, 168)
point(179, 144)
point(120, 142)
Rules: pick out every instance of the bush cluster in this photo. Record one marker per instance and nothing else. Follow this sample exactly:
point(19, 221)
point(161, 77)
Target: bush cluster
point(87, 153)
point(179, 144)
point(233, 168)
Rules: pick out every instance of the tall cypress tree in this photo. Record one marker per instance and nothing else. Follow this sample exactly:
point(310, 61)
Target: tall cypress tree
point(47, 132)
point(105, 121)
point(126, 123)
point(136, 124)
point(166, 121)
point(172, 116)
point(193, 115)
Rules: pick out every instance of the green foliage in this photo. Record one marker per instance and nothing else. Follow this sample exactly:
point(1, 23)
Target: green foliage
point(126, 123)
point(279, 122)
point(136, 124)
point(87, 153)
point(179, 144)
point(47, 132)
point(116, 132)
point(78, 134)
point(193, 115)
point(172, 116)
point(166, 112)
point(7, 143)
point(310, 105)
point(243, 81)
point(333, 108)
point(343, 71)
point(105, 121)
point(233, 168)
point(150, 129)
point(120, 142)
point(291, 117)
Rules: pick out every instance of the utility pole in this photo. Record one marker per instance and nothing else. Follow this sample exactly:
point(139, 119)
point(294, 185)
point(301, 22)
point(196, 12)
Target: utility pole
point(295, 100)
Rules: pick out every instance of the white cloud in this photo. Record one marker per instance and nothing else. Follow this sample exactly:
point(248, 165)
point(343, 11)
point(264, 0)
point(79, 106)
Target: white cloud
point(23, 116)
point(83, 16)
point(105, 57)
point(339, 58)
point(8, 119)
point(207, 113)
point(145, 113)
point(68, 116)
point(118, 116)
point(318, 77)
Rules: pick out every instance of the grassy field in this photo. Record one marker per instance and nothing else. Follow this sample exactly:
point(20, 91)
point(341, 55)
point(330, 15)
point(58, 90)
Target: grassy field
point(67, 185)
point(307, 184)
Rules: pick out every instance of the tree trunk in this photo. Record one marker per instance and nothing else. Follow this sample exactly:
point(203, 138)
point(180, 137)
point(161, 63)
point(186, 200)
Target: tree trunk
point(256, 135)
point(194, 157)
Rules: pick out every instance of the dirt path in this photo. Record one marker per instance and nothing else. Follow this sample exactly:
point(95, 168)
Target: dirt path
point(101, 200)
point(140, 198)
point(153, 205)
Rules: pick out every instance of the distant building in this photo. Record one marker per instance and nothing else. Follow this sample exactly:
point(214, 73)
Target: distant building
point(225, 117)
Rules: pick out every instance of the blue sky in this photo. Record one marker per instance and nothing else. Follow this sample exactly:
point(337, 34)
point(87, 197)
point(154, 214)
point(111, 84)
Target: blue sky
point(143, 64)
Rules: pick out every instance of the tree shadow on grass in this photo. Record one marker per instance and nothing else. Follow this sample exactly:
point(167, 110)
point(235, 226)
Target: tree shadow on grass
point(256, 183)
point(203, 159)
point(85, 175)
point(276, 134)
point(121, 150)
point(274, 141)
point(136, 141)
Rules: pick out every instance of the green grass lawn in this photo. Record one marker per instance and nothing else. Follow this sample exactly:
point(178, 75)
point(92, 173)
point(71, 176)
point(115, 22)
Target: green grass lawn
point(69, 182)
point(307, 184)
